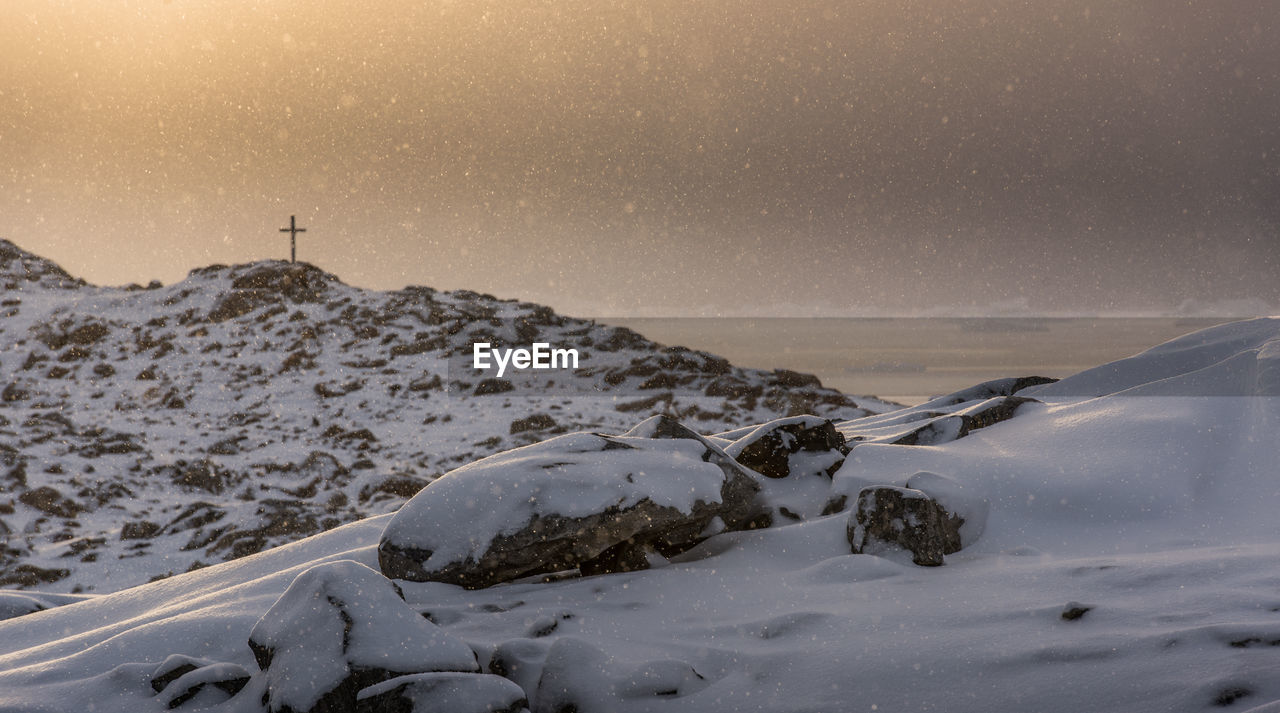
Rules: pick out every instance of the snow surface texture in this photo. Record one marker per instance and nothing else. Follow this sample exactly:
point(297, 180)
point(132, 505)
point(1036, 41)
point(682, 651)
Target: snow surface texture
point(1129, 561)
point(150, 431)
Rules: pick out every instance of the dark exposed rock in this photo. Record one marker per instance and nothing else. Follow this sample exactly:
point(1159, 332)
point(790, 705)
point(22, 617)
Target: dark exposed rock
point(533, 422)
point(236, 304)
point(202, 475)
point(661, 380)
point(329, 390)
point(74, 354)
point(227, 446)
point(13, 393)
point(83, 335)
point(110, 444)
point(29, 575)
point(194, 516)
point(325, 466)
point(644, 404)
point(905, 518)
point(1230, 695)
point(424, 383)
point(139, 530)
point(49, 501)
point(397, 486)
point(1075, 611)
point(280, 519)
point(299, 282)
point(794, 380)
point(420, 346)
point(298, 360)
point(768, 449)
point(730, 387)
point(490, 386)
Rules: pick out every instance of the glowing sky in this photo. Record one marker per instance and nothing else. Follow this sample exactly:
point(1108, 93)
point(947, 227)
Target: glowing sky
point(657, 156)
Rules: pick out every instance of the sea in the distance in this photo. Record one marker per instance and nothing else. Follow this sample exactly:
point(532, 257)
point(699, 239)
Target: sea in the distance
point(909, 360)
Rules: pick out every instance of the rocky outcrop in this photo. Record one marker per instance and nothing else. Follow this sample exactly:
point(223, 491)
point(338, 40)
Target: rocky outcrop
point(886, 517)
point(769, 448)
point(584, 500)
point(961, 423)
point(257, 365)
point(796, 457)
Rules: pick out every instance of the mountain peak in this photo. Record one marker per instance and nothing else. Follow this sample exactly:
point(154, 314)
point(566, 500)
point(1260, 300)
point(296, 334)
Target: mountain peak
point(17, 266)
point(298, 281)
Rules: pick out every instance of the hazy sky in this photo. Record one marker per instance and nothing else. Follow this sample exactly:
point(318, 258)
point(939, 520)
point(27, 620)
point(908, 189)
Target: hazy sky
point(659, 156)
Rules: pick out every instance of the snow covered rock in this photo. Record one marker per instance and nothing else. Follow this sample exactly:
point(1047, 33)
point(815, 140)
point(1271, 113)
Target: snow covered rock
point(440, 692)
point(990, 389)
point(582, 499)
point(339, 628)
point(962, 422)
point(577, 675)
point(797, 457)
point(886, 516)
point(181, 679)
point(771, 448)
point(961, 502)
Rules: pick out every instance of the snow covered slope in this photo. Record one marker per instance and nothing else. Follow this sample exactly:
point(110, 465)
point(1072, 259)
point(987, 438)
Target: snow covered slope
point(1127, 559)
point(149, 431)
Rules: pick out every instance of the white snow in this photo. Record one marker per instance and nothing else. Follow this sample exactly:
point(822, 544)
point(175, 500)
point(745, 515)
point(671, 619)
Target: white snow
point(1157, 511)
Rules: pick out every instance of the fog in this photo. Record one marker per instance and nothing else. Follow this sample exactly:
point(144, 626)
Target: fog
point(660, 157)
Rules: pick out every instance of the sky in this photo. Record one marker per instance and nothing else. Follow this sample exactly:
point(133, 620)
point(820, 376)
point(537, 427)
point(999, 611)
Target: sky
point(660, 157)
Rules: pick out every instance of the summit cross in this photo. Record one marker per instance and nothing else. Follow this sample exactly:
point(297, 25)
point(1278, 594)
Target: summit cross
point(293, 231)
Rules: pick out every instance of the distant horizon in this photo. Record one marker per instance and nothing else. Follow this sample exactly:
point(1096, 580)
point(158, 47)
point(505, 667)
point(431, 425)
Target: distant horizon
point(1189, 309)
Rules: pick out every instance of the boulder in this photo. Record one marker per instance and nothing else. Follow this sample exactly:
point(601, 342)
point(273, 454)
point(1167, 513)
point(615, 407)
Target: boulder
point(565, 503)
point(797, 457)
point(886, 517)
point(769, 448)
point(339, 628)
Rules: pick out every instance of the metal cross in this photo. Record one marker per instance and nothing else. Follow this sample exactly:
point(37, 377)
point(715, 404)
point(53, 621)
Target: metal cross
point(293, 231)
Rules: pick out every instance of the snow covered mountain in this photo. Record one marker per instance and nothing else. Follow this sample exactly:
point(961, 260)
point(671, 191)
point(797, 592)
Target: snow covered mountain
point(1106, 542)
point(150, 431)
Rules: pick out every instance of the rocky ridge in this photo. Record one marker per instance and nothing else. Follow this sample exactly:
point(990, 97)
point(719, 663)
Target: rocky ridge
point(146, 431)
